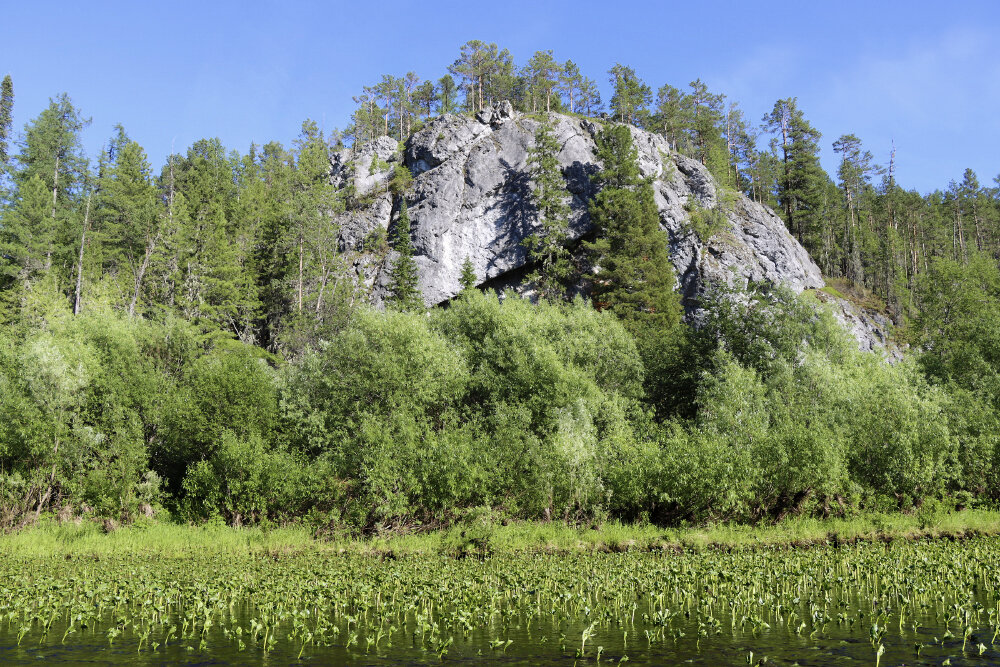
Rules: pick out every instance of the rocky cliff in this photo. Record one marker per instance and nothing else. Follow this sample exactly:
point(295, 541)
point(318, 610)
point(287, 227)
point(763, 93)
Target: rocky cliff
point(470, 198)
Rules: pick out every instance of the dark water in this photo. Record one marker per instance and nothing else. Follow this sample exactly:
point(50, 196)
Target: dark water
point(545, 641)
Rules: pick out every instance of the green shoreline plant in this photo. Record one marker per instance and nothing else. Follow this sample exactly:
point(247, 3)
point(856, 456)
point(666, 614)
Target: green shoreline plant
point(871, 599)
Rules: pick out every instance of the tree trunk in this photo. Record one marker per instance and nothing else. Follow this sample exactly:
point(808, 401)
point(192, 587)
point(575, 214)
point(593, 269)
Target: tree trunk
point(79, 261)
point(150, 247)
point(55, 187)
point(300, 273)
point(55, 190)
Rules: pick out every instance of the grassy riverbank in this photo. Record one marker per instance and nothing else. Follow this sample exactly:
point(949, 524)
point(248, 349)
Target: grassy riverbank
point(50, 537)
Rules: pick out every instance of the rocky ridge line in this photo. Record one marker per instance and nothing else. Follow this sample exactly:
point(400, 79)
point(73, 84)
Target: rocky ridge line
point(470, 198)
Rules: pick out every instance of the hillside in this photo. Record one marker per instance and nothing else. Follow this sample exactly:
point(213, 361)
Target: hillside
point(471, 198)
point(294, 335)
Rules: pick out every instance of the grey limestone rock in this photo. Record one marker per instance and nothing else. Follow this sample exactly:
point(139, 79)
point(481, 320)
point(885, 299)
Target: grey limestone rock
point(355, 166)
point(871, 330)
point(471, 198)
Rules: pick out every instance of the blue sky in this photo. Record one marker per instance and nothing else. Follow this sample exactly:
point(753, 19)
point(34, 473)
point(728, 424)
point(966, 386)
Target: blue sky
point(923, 74)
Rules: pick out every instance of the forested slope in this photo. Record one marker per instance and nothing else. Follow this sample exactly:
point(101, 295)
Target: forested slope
point(200, 340)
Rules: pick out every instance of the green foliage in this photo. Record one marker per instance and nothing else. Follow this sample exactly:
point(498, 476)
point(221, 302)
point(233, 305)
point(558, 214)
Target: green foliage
point(78, 398)
point(28, 237)
point(705, 223)
point(634, 278)
point(218, 362)
point(403, 279)
point(631, 94)
point(247, 481)
point(547, 247)
point(958, 327)
point(6, 119)
point(401, 179)
point(368, 402)
point(547, 379)
point(468, 279)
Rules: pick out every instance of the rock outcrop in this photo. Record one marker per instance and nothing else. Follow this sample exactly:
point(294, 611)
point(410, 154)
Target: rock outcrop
point(872, 330)
point(471, 198)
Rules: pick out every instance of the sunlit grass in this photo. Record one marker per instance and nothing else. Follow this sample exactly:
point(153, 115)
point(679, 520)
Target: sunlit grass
point(50, 537)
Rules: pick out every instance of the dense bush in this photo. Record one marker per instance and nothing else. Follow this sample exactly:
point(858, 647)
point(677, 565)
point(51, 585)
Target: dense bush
point(533, 410)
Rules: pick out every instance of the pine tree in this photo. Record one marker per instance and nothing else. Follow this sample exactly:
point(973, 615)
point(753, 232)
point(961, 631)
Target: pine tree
point(547, 247)
point(468, 279)
point(706, 121)
point(741, 147)
point(802, 179)
point(6, 119)
point(571, 83)
point(271, 199)
point(51, 151)
point(403, 278)
point(634, 277)
point(673, 116)
point(543, 74)
point(214, 279)
point(446, 94)
point(423, 98)
point(590, 97)
point(631, 95)
point(130, 214)
point(477, 65)
point(366, 121)
point(27, 235)
point(855, 172)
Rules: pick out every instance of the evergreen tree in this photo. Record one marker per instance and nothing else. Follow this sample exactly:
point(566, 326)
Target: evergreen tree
point(214, 284)
point(468, 279)
point(741, 147)
point(590, 97)
point(130, 214)
point(313, 201)
point(547, 247)
point(634, 277)
point(27, 235)
point(476, 64)
point(801, 181)
point(446, 94)
point(271, 199)
point(706, 122)
point(855, 172)
point(423, 97)
point(673, 116)
point(631, 95)
point(366, 121)
point(6, 119)
point(327, 289)
point(51, 151)
point(972, 207)
point(543, 74)
point(403, 282)
point(571, 83)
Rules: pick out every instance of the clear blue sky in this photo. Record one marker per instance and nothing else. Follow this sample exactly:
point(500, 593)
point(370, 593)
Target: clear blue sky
point(923, 74)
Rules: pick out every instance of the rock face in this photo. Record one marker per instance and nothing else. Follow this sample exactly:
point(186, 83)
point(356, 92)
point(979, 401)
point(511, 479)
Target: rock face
point(471, 198)
point(872, 330)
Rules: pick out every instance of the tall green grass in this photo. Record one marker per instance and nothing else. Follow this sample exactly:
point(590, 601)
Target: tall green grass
point(49, 537)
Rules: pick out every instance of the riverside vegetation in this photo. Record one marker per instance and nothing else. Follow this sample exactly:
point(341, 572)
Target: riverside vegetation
point(899, 602)
point(194, 347)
